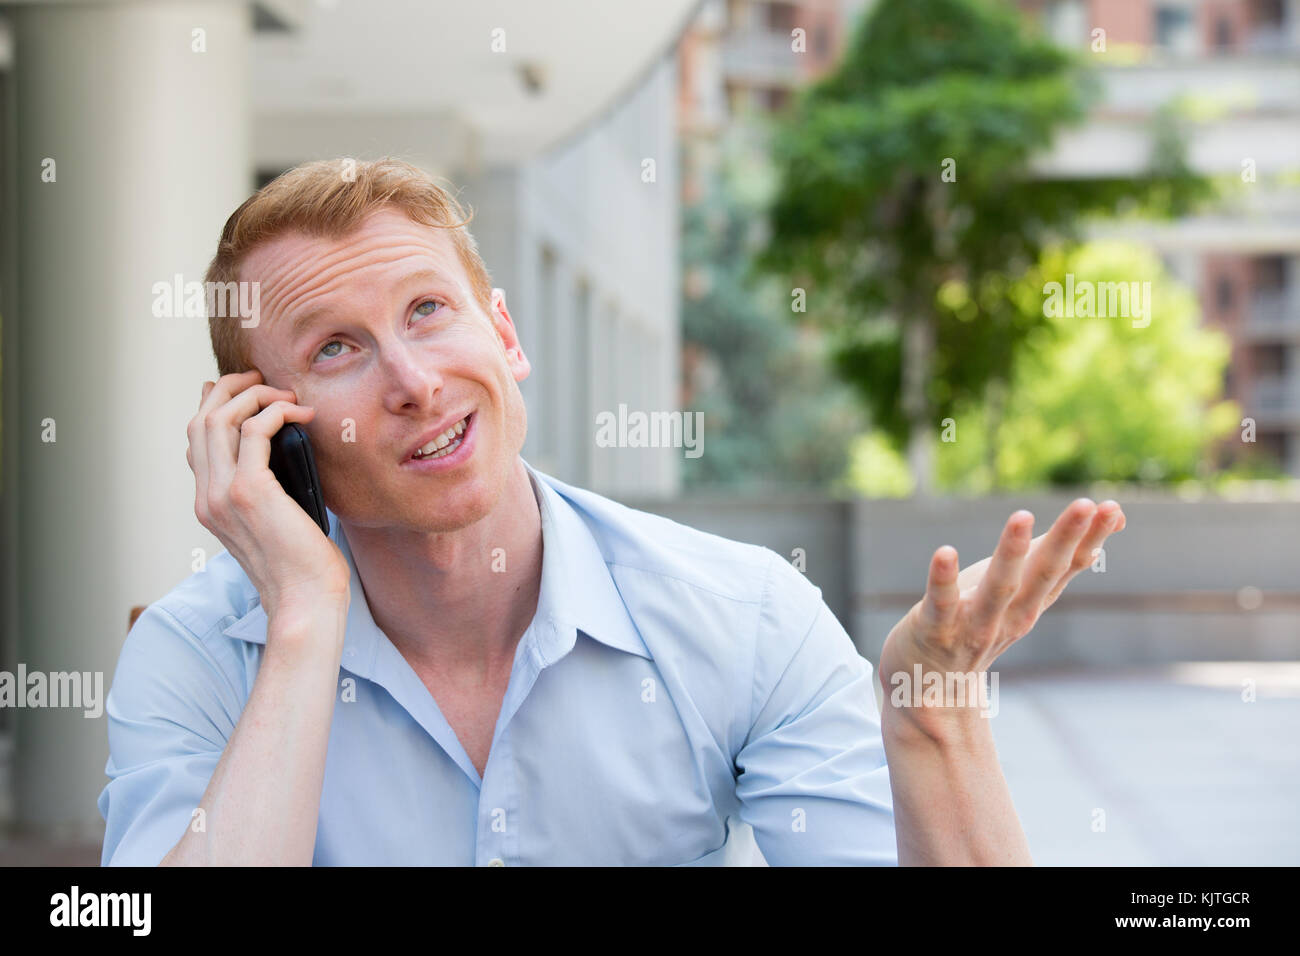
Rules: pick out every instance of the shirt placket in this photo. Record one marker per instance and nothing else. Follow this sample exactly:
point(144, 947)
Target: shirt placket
point(497, 839)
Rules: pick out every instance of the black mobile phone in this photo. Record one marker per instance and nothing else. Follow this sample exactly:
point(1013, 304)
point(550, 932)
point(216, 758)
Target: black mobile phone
point(295, 468)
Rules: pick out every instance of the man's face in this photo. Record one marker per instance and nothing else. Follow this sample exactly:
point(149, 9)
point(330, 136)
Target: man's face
point(398, 346)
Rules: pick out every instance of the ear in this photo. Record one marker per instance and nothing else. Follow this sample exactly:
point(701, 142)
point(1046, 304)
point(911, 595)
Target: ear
point(505, 328)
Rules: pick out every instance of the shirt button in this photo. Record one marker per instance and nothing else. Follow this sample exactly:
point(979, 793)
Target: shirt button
point(496, 861)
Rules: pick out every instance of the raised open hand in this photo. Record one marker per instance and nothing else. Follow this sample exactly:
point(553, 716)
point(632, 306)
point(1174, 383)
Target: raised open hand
point(967, 619)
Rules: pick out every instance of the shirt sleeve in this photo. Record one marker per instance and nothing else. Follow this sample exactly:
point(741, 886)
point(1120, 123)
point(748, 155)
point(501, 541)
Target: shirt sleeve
point(171, 709)
point(813, 782)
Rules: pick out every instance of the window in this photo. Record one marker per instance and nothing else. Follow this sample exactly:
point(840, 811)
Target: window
point(1270, 13)
point(780, 17)
point(1174, 29)
point(1268, 361)
point(1225, 294)
point(822, 42)
point(1066, 22)
point(1269, 32)
point(1270, 273)
point(775, 98)
point(1223, 38)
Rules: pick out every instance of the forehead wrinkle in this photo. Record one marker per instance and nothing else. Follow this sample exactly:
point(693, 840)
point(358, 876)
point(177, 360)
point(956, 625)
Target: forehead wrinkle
point(343, 262)
point(375, 234)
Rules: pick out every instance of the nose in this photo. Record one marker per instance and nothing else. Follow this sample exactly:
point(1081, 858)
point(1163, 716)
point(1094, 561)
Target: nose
point(412, 378)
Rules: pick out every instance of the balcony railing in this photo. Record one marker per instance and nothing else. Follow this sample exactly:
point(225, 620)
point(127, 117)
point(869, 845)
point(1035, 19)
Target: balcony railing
point(1270, 41)
point(760, 56)
point(1243, 83)
point(1277, 397)
point(1273, 315)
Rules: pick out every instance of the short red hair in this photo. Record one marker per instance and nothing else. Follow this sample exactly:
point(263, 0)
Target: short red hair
point(329, 199)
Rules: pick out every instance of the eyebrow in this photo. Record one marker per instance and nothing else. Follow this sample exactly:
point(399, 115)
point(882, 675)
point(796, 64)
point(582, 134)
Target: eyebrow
point(303, 321)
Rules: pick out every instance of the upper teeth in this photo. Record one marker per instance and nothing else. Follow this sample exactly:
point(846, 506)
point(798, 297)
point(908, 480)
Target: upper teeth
point(442, 440)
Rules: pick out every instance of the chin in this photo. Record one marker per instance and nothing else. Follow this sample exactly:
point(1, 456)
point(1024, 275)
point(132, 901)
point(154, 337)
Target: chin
point(443, 519)
point(465, 504)
point(420, 506)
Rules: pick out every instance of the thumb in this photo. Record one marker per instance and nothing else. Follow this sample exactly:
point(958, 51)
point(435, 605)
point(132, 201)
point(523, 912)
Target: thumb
point(942, 595)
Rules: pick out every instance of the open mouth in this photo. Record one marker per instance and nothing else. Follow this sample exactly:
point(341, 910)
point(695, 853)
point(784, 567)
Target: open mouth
point(446, 443)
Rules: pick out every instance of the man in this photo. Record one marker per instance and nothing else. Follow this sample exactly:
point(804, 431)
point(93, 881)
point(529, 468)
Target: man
point(481, 664)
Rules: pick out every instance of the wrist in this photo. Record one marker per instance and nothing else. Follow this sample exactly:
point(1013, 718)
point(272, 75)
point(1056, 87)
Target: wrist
point(309, 622)
point(948, 728)
point(324, 595)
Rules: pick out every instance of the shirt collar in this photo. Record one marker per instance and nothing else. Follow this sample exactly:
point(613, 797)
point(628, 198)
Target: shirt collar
point(577, 592)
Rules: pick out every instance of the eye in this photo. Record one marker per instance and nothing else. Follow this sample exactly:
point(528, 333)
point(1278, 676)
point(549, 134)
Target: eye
point(323, 353)
point(431, 305)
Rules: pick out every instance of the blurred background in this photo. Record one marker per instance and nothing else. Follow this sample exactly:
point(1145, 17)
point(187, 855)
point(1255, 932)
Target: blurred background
point(911, 264)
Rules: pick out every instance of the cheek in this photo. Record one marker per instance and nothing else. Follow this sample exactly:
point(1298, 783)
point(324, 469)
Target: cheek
point(516, 413)
point(339, 433)
point(329, 448)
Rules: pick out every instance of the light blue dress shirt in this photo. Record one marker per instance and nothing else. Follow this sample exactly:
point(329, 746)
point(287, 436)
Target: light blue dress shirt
point(677, 699)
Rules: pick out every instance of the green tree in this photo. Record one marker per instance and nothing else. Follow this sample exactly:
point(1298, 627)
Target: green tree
point(772, 415)
point(1092, 397)
point(908, 169)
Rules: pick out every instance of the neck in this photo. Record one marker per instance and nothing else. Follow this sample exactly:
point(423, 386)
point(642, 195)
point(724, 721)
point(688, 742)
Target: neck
point(437, 596)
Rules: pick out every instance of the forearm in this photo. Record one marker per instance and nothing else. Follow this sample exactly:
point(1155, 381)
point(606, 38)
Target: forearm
point(952, 806)
point(263, 801)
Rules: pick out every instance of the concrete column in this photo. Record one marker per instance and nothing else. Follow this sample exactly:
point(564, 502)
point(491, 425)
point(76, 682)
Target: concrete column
point(624, 392)
point(143, 109)
point(528, 321)
point(546, 348)
point(584, 305)
point(568, 390)
point(604, 391)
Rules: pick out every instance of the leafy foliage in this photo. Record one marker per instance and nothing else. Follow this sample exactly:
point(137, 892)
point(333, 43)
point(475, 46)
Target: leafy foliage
point(772, 415)
point(1091, 398)
point(865, 219)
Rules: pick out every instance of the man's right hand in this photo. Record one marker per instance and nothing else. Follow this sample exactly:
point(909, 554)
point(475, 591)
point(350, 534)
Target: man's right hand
point(238, 499)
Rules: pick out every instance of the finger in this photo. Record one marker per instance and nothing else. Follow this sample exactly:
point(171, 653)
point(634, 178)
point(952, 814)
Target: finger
point(1047, 564)
point(1002, 579)
point(214, 393)
point(1106, 520)
point(222, 426)
point(256, 432)
point(226, 388)
point(942, 596)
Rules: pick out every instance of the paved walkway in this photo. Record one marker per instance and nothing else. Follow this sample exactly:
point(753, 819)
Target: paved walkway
point(1186, 772)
